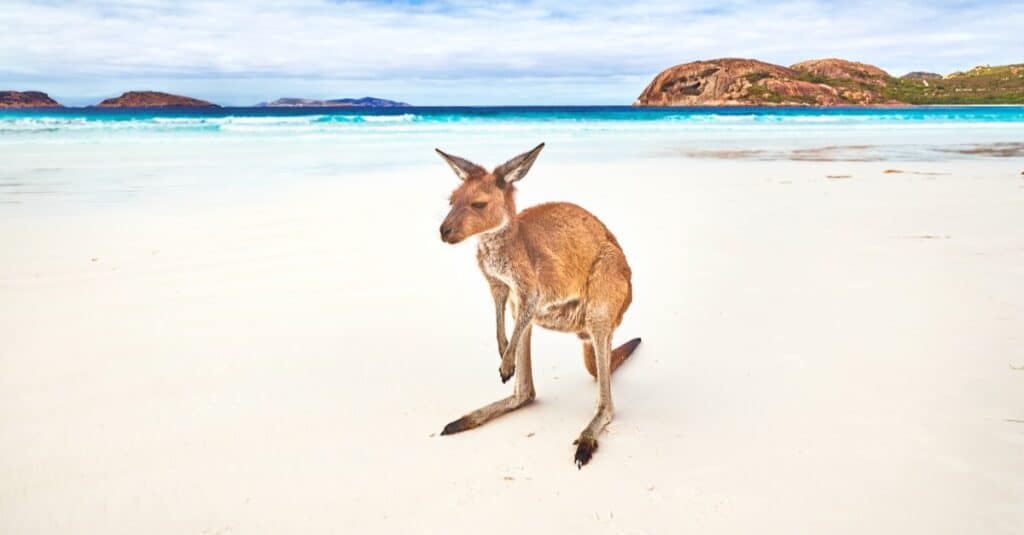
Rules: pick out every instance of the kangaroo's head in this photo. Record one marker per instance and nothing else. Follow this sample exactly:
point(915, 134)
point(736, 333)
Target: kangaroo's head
point(484, 202)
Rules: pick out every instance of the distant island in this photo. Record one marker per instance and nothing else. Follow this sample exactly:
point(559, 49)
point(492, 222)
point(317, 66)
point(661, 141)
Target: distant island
point(154, 99)
point(157, 99)
point(367, 102)
point(27, 99)
point(826, 82)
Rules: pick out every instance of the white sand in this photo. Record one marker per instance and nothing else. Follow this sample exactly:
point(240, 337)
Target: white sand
point(811, 362)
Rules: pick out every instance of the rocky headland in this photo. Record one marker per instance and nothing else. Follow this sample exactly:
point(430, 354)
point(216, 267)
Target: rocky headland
point(825, 82)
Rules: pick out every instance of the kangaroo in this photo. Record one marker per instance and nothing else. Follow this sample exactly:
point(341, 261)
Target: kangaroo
point(557, 266)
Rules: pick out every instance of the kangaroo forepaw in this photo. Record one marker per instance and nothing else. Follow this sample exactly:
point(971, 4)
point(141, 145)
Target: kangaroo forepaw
point(506, 374)
point(458, 426)
point(585, 447)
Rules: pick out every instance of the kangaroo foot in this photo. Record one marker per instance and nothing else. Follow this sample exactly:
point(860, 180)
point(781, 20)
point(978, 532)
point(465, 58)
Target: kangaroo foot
point(487, 413)
point(462, 424)
point(585, 447)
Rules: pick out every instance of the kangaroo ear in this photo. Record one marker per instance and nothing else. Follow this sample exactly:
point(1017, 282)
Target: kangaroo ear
point(464, 169)
point(517, 167)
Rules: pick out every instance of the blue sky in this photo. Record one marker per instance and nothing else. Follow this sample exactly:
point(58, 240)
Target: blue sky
point(466, 52)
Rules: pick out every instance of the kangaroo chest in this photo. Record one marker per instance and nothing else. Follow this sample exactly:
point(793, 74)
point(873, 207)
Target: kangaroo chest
point(555, 312)
point(495, 262)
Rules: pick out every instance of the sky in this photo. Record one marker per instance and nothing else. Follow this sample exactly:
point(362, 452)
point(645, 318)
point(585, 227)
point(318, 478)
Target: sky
point(459, 52)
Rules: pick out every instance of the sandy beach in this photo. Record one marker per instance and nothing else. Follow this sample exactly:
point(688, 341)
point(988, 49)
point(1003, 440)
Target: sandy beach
point(820, 355)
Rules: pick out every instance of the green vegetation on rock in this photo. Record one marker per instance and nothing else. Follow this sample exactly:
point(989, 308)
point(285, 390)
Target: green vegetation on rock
point(980, 85)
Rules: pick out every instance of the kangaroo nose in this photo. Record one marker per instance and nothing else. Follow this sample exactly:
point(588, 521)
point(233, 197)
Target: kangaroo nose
point(445, 232)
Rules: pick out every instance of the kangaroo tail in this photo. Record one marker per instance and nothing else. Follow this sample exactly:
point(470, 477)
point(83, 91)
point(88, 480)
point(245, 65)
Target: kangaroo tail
point(623, 352)
point(619, 354)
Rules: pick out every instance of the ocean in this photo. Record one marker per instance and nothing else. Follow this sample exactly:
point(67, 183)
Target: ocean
point(115, 155)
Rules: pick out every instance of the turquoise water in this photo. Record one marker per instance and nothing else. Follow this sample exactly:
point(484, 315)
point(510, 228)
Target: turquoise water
point(77, 122)
point(91, 154)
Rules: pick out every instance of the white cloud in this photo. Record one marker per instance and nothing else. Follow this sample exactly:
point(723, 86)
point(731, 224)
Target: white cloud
point(467, 52)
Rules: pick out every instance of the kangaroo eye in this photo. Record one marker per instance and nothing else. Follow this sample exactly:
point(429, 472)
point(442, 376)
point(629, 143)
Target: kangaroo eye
point(479, 205)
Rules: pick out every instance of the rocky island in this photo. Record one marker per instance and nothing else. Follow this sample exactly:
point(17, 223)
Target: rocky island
point(27, 99)
point(825, 82)
point(153, 99)
point(365, 102)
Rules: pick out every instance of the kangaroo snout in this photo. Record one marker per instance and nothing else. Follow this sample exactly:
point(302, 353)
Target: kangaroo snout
point(446, 232)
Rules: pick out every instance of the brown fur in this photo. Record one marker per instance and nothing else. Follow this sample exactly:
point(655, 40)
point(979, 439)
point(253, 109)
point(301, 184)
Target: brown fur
point(557, 266)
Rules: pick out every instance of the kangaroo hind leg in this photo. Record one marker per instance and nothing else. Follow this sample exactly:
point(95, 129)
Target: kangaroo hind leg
point(601, 349)
point(523, 394)
point(608, 295)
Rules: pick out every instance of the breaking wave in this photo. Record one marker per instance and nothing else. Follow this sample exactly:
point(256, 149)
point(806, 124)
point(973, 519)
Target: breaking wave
point(258, 121)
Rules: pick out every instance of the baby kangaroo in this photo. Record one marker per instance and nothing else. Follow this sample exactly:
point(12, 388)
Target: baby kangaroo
point(558, 266)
